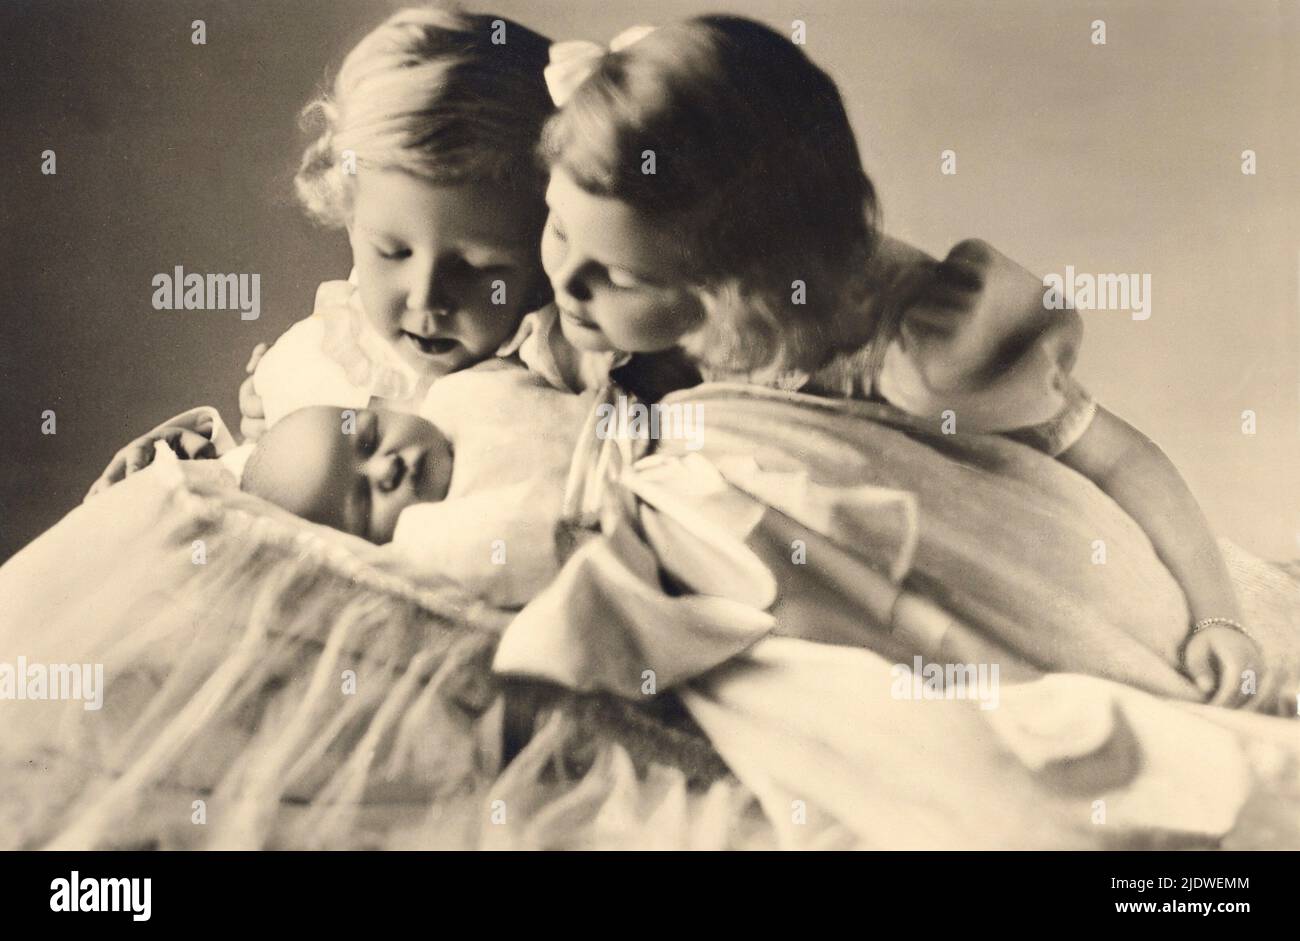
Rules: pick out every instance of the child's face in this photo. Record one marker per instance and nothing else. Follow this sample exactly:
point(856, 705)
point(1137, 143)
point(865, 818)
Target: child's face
point(445, 272)
point(355, 474)
point(619, 282)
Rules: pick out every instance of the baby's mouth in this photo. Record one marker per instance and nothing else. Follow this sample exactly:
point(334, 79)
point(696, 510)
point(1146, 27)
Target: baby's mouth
point(407, 473)
point(430, 346)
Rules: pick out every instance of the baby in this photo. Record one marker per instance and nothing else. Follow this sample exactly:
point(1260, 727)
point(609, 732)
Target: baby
point(354, 470)
point(486, 518)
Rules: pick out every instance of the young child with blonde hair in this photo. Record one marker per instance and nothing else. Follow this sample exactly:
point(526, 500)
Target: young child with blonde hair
point(426, 157)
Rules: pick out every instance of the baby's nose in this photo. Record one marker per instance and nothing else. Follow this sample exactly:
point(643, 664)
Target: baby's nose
point(385, 471)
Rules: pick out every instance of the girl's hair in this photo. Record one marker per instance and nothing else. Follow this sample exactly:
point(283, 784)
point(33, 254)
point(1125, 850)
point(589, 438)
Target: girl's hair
point(756, 168)
point(447, 96)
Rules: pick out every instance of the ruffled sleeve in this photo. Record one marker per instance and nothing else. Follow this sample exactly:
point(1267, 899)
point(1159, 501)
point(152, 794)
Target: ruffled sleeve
point(971, 335)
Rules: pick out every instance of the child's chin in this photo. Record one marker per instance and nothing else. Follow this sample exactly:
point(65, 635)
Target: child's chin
point(435, 367)
point(587, 340)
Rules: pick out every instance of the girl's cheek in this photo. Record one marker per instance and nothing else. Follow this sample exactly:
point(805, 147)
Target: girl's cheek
point(548, 248)
point(378, 303)
point(663, 324)
point(550, 253)
point(363, 262)
point(639, 326)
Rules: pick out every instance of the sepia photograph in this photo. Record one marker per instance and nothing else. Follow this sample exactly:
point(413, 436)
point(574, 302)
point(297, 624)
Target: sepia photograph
point(701, 425)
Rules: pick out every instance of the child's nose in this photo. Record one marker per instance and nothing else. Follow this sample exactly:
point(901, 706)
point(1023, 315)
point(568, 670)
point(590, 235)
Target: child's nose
point(385, 471)
point(427, 291)
point(569, 284)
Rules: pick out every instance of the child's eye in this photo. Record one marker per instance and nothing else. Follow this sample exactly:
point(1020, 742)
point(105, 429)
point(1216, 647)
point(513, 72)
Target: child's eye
point(623, 279)
point(488, 268)
point(392, 253)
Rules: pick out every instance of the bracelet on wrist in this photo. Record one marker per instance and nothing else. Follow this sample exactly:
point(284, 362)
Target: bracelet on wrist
point(1205, 623)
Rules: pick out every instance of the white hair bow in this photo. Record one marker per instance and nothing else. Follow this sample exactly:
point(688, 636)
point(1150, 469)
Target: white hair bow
point(573, 61)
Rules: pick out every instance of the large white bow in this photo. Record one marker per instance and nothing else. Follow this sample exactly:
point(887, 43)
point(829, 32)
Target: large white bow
point(573, 61)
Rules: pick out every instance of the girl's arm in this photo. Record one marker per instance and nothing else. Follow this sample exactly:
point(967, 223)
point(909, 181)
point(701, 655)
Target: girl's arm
point(1138, 476)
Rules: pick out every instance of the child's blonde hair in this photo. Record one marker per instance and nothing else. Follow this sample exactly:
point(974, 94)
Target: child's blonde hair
point(448, 96)
point(757, 170)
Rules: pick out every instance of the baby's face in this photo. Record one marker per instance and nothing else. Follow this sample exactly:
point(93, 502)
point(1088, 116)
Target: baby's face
point(619, 282)
point(355, 470)
point(444, 272)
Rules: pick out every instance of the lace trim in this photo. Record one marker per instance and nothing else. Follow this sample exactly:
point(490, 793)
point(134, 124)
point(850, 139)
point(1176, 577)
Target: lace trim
point(367, 359)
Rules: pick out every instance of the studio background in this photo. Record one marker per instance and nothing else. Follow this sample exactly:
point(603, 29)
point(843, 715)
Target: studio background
point(1117, 158)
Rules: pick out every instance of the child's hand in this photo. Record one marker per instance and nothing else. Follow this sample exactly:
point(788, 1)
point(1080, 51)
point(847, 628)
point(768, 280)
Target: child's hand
point(187, 444)
point(252, 417)
point(1215, 658)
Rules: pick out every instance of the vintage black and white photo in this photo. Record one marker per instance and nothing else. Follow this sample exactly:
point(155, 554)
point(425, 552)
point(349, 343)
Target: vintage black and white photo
point(698, 425)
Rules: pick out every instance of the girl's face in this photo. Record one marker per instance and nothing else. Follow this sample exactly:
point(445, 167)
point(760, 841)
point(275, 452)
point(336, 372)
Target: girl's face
point(445, 272)
point(620, 284)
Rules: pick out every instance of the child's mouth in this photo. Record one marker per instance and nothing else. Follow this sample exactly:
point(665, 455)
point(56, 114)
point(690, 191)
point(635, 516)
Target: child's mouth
point(430, 346)
point(577, 319)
